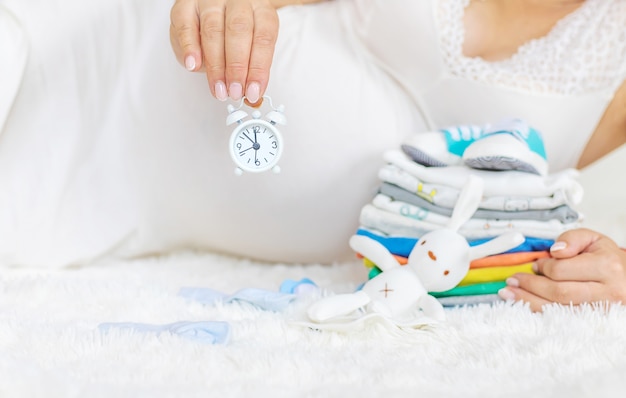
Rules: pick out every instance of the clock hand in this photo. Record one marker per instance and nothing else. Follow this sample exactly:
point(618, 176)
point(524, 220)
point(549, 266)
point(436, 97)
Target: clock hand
point(246, 135)
point(245, 150)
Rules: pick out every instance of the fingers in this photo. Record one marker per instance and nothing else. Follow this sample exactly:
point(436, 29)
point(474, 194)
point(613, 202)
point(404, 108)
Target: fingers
point(585, 267)
point(578, 268)
point(239, 27)
point(212, 36)
point(263, 44)
point(511, 293)
point(538, 290)
point(574, 242)
point(184, 34)
point(233, 41)
point(250, 37)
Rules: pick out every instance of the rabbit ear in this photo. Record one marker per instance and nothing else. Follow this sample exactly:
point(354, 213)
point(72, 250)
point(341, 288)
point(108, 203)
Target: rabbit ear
point(467, 203)
point(373, 251)
point(496, 245)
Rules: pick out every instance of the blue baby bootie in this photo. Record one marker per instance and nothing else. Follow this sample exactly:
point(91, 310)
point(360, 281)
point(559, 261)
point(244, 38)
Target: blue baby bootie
point(509, 145)
point(443, 147)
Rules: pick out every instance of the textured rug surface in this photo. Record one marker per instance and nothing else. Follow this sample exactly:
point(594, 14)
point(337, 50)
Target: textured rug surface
point(51, 346)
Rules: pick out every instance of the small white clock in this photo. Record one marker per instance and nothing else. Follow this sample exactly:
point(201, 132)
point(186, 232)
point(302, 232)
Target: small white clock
point(256, 144)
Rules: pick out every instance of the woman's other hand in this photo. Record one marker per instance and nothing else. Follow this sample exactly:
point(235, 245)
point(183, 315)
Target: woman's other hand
point(232, 41)
point(585, 266)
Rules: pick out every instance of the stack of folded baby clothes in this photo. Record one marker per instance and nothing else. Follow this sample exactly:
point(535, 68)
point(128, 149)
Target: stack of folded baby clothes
point(422, 181)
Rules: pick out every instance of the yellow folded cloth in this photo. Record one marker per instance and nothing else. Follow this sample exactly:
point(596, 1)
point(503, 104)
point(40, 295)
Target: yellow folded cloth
point(494, 274)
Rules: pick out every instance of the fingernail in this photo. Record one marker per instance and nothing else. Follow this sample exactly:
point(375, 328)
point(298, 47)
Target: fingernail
point(506, 294)
point(512, 282)
point(558, 246)
point(253, 92)
point(220, 91)
point(235, 90)
point(190, 63)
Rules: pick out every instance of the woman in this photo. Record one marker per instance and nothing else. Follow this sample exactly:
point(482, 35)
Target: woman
point(561, 64)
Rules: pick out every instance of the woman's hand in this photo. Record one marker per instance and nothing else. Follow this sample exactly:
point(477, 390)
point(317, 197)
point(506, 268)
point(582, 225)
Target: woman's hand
point(232, 41)
point(585, 266)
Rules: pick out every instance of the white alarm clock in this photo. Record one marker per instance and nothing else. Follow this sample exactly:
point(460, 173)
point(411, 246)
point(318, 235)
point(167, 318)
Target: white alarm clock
point(256, 144)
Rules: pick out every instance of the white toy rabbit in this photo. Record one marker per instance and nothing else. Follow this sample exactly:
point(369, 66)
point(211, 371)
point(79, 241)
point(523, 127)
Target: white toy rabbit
point(438, 262)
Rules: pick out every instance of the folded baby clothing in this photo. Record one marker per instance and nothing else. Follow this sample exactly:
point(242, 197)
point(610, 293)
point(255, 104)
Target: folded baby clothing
point(494, 274)
point(496, 260)
point(563, 213)
point(476, 289)
point(421, 183)
point(500, 260)
point(402, 245)
point(503, 183)
point(391, 223)
point(460, 301)
point(446, 196)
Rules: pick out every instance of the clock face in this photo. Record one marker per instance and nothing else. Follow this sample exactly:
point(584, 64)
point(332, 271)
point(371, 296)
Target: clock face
point(256, 145)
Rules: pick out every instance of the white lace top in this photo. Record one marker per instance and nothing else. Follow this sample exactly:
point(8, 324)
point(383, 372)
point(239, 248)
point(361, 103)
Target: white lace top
point(584, 52)
point(560, 83)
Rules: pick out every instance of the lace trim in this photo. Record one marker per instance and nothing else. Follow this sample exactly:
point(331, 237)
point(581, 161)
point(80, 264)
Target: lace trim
point(584, 52)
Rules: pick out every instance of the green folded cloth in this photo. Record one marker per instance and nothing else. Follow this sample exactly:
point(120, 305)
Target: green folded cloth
point(471, 290)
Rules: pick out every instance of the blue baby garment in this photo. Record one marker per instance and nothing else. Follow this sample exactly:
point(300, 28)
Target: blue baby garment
point(210, 332)
point(261, 298)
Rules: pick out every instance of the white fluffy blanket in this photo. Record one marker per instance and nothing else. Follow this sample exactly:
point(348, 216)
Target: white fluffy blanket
point(50, 344)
